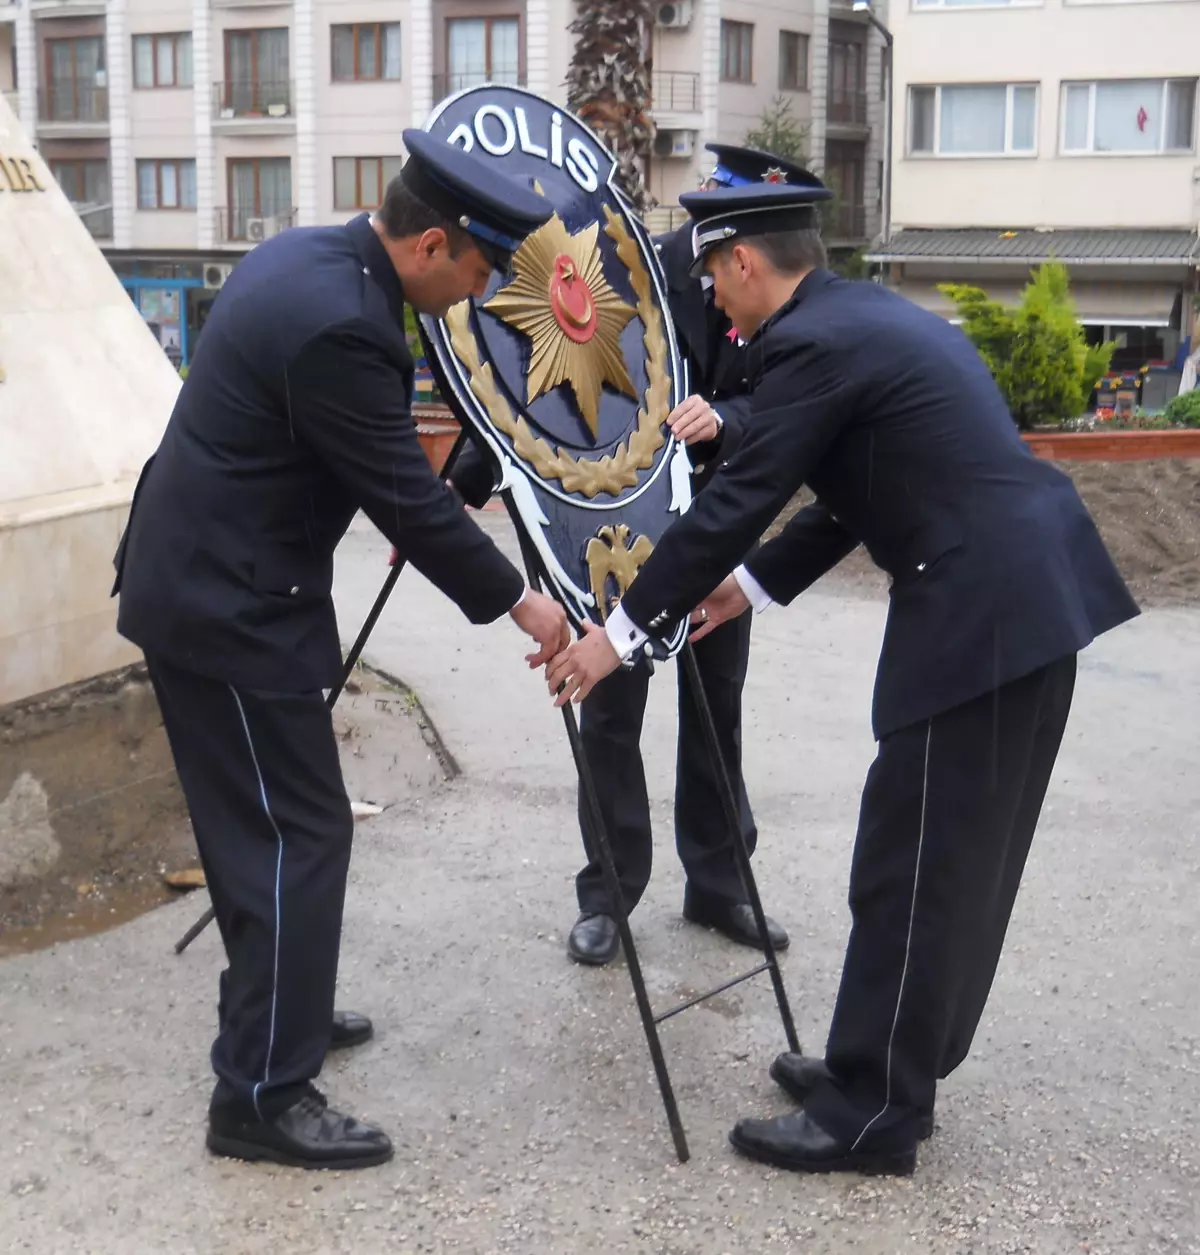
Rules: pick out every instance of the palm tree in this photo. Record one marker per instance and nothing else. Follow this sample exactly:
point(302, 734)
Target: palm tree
point(608, 84)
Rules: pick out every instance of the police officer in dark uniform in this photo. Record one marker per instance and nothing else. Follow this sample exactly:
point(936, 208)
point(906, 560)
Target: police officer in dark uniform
point(294, 416)
point(999, 579)
point(711, 423)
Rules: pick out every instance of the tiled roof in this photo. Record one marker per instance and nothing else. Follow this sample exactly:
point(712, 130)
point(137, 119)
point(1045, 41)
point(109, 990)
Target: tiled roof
point(1124, 248)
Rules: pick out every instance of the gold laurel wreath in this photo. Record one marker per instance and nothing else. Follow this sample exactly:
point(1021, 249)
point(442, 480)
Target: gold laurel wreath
point(588, 476)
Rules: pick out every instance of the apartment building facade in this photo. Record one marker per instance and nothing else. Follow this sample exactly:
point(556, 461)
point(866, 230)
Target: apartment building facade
point(1031, 129)
point(185, 131)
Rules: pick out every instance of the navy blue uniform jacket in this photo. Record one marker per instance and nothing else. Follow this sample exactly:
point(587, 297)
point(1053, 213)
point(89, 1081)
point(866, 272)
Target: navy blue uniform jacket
point(890, 416)
point(295, 414)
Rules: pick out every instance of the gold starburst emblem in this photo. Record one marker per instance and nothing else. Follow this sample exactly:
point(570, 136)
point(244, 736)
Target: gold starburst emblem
point(561, 300)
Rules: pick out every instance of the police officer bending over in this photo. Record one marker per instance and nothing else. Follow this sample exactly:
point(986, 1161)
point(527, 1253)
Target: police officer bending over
point(999, 578)
point(294, 416)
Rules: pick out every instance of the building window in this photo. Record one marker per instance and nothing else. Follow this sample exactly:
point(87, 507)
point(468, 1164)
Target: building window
point(76, 83)
point(359, 182)
point(737, 48)
point(162, 60)
point(482, 50)
point(793, 61)
point(86, 185)
point(257, 72)
point(1131, 116)
point(977, 120)
point(166, 185)
point(258, 188)
point(366, 52)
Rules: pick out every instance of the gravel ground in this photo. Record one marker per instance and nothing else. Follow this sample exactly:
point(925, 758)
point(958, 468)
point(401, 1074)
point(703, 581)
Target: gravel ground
point(517, 1086)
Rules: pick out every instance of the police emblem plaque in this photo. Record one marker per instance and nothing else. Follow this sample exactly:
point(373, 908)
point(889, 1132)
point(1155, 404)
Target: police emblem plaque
point(566, 369)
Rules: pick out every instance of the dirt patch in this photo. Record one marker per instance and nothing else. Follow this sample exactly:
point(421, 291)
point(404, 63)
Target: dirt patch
point(1147, 512)
point(92, 816)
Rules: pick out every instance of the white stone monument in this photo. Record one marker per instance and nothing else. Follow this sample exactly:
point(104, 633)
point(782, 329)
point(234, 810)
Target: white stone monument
point(85, 392)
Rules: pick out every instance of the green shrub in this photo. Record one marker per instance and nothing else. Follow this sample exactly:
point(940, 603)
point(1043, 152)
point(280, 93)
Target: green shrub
point(1037, 352)
point(1184, 410)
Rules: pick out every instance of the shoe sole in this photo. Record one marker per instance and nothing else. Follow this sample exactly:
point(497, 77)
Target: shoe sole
point(869, 1164)
point(924, 1129)
point(754, 943)
point(254, 1152)
point(348, 1043)
point(592, 960)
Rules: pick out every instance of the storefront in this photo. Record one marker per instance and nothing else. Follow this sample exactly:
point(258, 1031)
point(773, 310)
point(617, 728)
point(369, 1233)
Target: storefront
point(171, 296)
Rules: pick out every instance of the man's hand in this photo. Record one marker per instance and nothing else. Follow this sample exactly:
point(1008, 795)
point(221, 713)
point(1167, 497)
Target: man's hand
point(725, 602)
point(694, 421)
point(546, 621)
point(580, 668)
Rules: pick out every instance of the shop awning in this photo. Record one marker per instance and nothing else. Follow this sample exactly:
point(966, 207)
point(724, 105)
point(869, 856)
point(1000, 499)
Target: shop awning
point(984, 246)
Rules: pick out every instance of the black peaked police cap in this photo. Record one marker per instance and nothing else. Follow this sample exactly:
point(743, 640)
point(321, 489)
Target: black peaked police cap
point(734, 213)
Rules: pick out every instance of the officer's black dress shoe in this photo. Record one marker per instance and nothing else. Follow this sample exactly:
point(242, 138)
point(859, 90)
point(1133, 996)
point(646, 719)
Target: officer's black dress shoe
point(349, 1029)
point(798, 1143)
point(594, 940)
point(307, 1135)
point(734, 920)
point(799, 1075)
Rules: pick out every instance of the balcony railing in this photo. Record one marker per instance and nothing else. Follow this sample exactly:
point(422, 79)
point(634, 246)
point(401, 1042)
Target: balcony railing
point(847, 222)
point(72, 101)
point(675, 91)
point(253, 99)
point(847, 107)
point(447, 84)
point(97, 218)
point(250, 226)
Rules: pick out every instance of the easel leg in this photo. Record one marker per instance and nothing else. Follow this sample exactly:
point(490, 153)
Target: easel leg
point(598, 840)
point(732, 818)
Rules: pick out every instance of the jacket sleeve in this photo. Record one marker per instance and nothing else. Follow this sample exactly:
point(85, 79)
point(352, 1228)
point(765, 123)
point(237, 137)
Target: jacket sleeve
point(348, 400)
point(472, 476)
point(812, 543)
point(801, 405)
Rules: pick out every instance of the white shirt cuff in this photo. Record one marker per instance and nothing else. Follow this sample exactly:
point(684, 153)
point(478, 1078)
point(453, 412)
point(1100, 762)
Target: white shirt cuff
point(623, 634)
point(519, 600)
point(756, 595)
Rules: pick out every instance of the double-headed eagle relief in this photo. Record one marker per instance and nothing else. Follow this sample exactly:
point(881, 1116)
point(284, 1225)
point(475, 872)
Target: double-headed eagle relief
point(565, 371)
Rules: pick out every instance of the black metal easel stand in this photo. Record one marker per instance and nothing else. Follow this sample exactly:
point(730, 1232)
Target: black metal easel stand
point(598, 840)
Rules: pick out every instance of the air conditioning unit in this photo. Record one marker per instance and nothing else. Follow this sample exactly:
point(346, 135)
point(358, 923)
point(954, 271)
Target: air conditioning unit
point(674, 14)
point(674, 143)
point(257, 230)
point(215, 275)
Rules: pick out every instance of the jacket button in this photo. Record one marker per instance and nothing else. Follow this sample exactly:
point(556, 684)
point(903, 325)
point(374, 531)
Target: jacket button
point(920, 566)
point(295, 590)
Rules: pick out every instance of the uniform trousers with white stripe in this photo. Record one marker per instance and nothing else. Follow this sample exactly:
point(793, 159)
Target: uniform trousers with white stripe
point(948, 814)
point(264, 789)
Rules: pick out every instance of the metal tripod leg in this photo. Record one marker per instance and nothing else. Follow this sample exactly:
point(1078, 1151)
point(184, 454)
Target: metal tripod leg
point(730, 806)
point(351, 662)
point(599, 842)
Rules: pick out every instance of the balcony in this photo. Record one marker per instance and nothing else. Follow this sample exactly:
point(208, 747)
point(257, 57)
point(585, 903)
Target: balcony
point(675, 101)
point(72, 110)
point(448, 84)
point(675, 91)
point(251, 108)
point(846, 222)
point(243, 228)
point(846, 107)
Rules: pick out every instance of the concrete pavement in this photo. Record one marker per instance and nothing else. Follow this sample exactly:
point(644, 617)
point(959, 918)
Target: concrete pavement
point(517, 1085)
